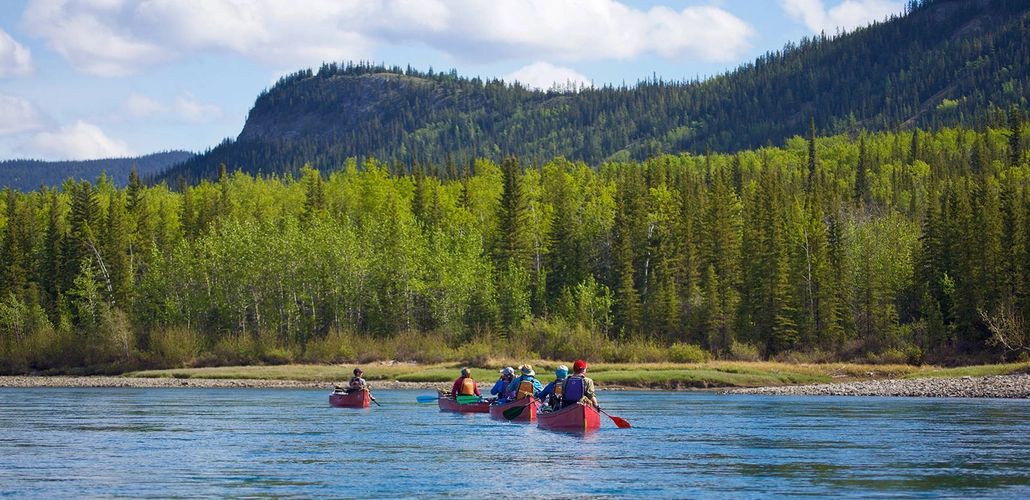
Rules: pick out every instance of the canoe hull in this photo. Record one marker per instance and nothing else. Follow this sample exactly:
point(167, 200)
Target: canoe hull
point(449, 404)
point(356, 399)
point(527, 415)
point(575, 418)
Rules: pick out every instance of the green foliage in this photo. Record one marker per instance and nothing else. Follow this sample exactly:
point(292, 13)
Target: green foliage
point(895, 72)
point(687, 353)
point(748, 256)
point(743, 352)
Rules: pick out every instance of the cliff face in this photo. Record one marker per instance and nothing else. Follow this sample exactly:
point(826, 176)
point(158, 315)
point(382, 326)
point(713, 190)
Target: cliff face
point(328, 108)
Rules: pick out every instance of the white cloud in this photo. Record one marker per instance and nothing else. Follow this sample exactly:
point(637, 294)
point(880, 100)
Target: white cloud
point(847, 16)
point(15, 58)
point(141, 106)
point(95, 36)
point(191, 110)
point(82, 141)
point(119, 37)
point(544, 76)
point(17, 114)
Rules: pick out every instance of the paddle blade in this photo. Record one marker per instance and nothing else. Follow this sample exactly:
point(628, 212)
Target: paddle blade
point(514, 412)
point(426, 399)
point(464, 400)
point(619, 422)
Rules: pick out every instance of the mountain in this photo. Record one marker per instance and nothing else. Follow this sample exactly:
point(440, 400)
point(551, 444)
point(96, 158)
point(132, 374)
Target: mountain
point(29, 175)
point(945, 62)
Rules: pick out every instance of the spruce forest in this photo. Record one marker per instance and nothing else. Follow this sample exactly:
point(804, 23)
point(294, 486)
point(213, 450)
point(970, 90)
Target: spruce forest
point(859, 197)
point(894, 247)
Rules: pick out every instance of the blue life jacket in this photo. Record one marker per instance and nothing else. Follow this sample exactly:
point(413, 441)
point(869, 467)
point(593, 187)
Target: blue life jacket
point(573, 390)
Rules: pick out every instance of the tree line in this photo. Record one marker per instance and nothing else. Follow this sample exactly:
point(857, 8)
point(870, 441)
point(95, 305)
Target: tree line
point(907, 246)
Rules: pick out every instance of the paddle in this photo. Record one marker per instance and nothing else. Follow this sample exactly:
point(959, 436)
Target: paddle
point(427, 399)
point(373, 399)
point(467, 399)
point(619, 422)
point(514, 412)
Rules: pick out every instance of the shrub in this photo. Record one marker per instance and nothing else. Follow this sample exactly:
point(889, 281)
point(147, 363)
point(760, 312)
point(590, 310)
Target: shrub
point(336, 347)
point(637, 351)
point(556, 339)
point(173, 347)
point(740, 351)
point(687, 353)
point(426, 348)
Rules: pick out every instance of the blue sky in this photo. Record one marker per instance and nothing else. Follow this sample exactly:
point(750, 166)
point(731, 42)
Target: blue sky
point(83, 79)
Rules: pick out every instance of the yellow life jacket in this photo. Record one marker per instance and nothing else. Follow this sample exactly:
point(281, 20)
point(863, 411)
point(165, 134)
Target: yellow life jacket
point(468, 387)
point(525, 389)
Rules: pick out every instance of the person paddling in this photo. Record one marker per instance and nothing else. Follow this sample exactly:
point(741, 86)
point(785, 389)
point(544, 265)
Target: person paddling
point(527, 385)
point(500, 388)
point(551, 394)
point(357, 382)
point(578, 387)
point(465, 385)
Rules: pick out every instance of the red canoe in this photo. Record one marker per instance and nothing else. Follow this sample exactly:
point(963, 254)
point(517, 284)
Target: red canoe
point(356, 399)
point(449, 404)
point(527, 415)
point(575, 418)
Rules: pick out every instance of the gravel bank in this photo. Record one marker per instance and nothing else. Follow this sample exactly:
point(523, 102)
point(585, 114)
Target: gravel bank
point(193, 383)
point(993, 386)
point(1003, 386)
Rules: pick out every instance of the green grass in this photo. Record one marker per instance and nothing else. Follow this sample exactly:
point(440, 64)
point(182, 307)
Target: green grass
point(649, 375)
point(974, 371)
point(701, 377)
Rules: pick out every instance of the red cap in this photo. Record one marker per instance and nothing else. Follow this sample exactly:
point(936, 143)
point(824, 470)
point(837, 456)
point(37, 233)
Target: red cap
point(579, 366)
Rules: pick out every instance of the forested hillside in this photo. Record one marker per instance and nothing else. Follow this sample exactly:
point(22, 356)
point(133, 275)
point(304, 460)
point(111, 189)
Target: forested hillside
point(905, 246)
point(945, 63)
point(27, 175)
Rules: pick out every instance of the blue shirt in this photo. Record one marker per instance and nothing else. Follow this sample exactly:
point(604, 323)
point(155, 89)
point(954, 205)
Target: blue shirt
point(548, 390)
point(514, 385)
point(498, 388)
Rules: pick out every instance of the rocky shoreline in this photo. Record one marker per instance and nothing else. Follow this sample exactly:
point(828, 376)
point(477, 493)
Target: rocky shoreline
point(993, 386)
point(179, 383)
point(1015, 386)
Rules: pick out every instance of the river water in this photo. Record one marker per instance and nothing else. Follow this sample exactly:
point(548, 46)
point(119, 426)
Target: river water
point(62, 443)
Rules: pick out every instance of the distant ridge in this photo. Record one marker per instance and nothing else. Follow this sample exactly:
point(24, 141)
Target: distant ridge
point(29, 175)
point(942, 63)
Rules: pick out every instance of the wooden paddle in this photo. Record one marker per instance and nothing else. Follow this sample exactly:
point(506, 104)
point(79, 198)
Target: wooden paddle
point(619, 422)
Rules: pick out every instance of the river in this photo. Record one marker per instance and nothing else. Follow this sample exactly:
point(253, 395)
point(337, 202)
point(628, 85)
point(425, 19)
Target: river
point(137, 443)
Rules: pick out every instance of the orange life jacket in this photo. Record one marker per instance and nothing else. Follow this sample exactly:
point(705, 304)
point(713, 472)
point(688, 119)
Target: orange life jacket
point(468, 387)
point(525, 389)
point(555, 399)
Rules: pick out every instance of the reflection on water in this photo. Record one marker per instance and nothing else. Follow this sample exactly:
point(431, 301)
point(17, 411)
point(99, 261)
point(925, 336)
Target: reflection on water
point(278, 442)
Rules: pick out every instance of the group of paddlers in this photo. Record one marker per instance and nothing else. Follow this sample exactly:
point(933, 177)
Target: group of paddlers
point(565, 390)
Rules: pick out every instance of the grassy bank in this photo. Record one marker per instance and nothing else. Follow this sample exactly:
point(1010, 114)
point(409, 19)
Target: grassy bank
point(642, 375)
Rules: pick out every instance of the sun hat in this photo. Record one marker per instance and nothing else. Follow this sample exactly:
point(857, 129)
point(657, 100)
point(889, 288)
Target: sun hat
point(507, 370)
point(528, 370)
point(562, 371)
point(358, 370)
point(579, 366)
point(465, 372)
